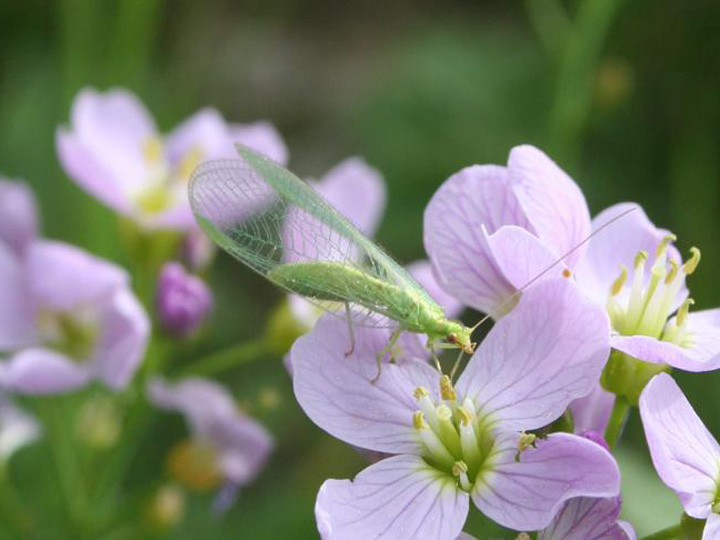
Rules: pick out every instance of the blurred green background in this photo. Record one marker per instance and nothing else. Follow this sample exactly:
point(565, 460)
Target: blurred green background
point(625, 95)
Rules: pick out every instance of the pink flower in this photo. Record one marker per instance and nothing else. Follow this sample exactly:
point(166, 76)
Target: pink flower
point(684, 452)
point(182, 300)
point(490, 229)
point(231, 444)
point(18, 215)
point(113, 150)
point(66, 318)
point(467, 442)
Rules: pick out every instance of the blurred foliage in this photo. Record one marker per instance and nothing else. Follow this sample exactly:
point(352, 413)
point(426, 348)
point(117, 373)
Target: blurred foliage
point(624, 94)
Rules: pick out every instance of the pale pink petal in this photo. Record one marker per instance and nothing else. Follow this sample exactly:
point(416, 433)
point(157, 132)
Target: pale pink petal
point(522, 257)
point(475, 200)
point(17, 428)
point(592, 412)
point(204, 132)
point(587, 519)
point(17, 310)
point(114, 127)
point(337, 393)
point(422, 272)
point(712, 527)
point(18, 215)
point(261, 137)
point(548, 351)
point(628, 530)
point(357, 191)
point(686, 456)
point(700, 350)
point(553, 204)
point(62, 276)
point(526, 493)
point(42, 371)
point(398, 497)
point(125, 329)
point(616, 245)
point(85, 169)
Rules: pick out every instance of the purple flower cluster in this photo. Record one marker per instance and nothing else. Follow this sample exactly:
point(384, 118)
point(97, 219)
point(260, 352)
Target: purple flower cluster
point(590, 316)
point(588, 335)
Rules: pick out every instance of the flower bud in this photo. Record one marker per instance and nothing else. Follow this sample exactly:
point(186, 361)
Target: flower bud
point(18, 215)
point(182, 301)
point(197, 251)
point(167, 507)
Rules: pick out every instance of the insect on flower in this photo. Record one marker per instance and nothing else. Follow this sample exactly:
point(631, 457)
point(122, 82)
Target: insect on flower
point(270, 220)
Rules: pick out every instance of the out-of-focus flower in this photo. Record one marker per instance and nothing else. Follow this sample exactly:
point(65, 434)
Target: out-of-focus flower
point(18, 215)
point(66, 318)
point(17, 428)
point(99, 422)
point(167, 507)
point(182, 300)
point(489, 230)
point(589, 518)
point(227, 449)
point(684, 452)
point(113, 150)
point(197, 250)
point(467, 441)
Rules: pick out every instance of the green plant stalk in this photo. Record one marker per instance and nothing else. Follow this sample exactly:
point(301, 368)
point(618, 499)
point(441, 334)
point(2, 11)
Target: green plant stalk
point(618, 417)
point(578, 66)
point(229, 358)
point(671, 533)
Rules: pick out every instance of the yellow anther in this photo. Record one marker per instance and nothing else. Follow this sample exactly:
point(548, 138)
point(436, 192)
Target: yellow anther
point(619, 283)
point(640, 258)
point(526, 441)
point(152, 150)
point(419, 420)
point(691, 265)
point(446, 389)
point(459, 467)
point(672, 273)
point(567, 273)
point(664, 243)
point(465, 416)
point(683, 312)
point(421, 392)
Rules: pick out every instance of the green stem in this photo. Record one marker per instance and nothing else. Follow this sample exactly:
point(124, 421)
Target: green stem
point(12, 509)
point(224, 359)
point(618, 417)
point(578, 67)
point(551, 23)
point(671, 533)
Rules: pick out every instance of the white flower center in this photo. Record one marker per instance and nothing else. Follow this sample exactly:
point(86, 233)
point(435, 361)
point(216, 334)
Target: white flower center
point(454, 440)
point(164, 183)
point(643, 306)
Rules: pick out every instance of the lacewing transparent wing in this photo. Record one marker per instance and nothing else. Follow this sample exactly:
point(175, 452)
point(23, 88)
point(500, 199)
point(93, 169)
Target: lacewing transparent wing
point(270, 220)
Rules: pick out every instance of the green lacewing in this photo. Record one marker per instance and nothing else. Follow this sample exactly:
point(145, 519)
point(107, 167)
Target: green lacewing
point(273, 222)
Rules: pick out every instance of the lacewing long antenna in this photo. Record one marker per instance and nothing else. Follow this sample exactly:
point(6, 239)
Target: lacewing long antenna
point(557, 261)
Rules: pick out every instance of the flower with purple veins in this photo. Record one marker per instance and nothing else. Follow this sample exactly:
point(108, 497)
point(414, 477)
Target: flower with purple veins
point(454, 443)
point(18, 215)
point(113, 150)
point(685, 454)
point(490, 230)
point(182, 301)
point(227, 449)
point(587, 517)
point(66, 318)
